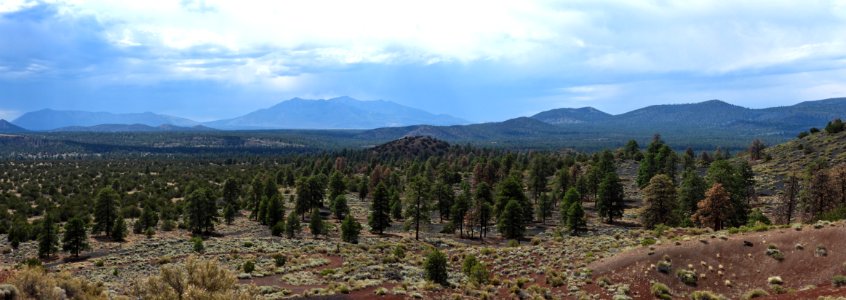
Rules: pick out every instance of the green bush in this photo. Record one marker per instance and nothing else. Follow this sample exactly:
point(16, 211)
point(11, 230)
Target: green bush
point(249, 266)
point(661, 291)
point(647, 242)
point(198, 244)
point(664, 266)
point(705, 295)
point(479, 273)
point(688, 277)
point(279, 259)
point(756, 293)
point(278, 229)
point(838, 280)
point(435, 267)
point(469, 261)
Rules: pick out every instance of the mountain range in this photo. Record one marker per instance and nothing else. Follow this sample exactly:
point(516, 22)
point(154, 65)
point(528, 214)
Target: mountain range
point(706, 124)
point(48, 119)
point(296, 113)
point(335, 113)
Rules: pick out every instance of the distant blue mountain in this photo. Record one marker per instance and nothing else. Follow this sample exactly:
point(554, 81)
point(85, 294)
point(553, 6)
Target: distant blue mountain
point(335, 113)
point(48, 119)
point(133, 128)
point(6, 127)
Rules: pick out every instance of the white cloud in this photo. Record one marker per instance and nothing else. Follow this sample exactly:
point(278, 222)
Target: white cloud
point(10, 6)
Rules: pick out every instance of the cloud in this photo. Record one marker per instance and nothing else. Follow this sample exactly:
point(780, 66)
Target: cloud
point(445, 56)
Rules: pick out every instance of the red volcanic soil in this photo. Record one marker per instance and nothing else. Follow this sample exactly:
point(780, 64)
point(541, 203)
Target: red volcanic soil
point(747, 267)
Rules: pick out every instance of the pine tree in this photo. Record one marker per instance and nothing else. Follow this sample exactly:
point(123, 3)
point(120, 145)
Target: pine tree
point(395, 205)
point(545, 209)
point(660, 202)
point(445, 197)
point(230, 200)
point(611, 198)
point(460, 208)
point(571, 197)
point(48, 240)
point(576, 223)
point(435, 267)
point(692, 190)
point(292, 226)
point(511, 189)
point(511, 224)
point(363, 189)
point(201, 212)
point(105, 210)
point(118, 233)
point(19, 232)
point(275, 211)
point(379, 219)
point(316, 223)
point(715, 210)
point(262, 210)
point(418, 206)
point(257, 190)
point(75, 239)
point(340, 208)
point(337, 187)
point(350, 230)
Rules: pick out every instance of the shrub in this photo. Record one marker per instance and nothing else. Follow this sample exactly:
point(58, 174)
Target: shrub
point(756, 293)
point(399, 251)
point(278, 229)
point(775, 280)
point(661, 291)
point(8, 292)
point(705, 295)
point(249, 266)
point(350, 230)
point(647, 242)
point(198, 244)
point(664, 266)
point(513, 243)
point(168, 225)
point(838, 280)
point(773, 252)
point(479, 273)
point(197, 279)
point(435, 267)
point(469, 261)
point(280, 260)
point(688, 277)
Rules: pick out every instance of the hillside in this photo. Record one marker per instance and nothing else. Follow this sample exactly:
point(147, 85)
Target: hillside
point(706, 117)
point(6, 127)
point(132, 128)
point(335, 113)
point(572, 116)
point(794, 156)
point(48, 119)
point(412, 146)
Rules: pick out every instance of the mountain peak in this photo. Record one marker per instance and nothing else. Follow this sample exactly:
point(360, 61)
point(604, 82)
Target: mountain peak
point(580, 115)
point(335, 113)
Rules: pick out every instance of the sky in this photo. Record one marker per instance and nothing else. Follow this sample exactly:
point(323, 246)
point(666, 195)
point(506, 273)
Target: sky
point(479, 60)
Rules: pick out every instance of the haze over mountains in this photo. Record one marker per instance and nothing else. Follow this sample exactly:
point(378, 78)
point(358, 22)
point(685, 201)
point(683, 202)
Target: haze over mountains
point(296, 113)
point(711, 122)
point(335, 113)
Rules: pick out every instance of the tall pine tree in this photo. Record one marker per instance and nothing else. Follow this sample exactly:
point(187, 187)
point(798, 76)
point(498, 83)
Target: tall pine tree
point(611, 199)
point(379, 218)
point(105, 210)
